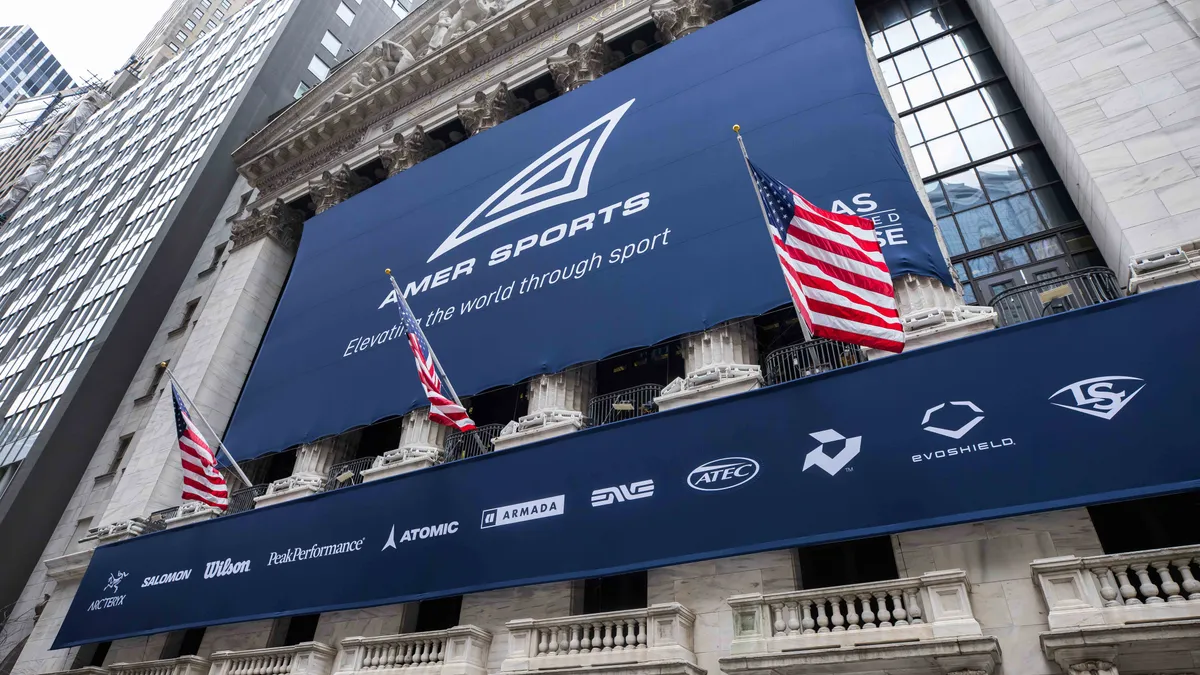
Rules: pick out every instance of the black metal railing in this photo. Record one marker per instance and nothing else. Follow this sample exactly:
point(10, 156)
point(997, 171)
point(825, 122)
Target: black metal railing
point(349, 473)
point(1090, 286)
point(243, 500)
point(461, 445)
point(158, 520)
point(811, 358)
point(623, 405)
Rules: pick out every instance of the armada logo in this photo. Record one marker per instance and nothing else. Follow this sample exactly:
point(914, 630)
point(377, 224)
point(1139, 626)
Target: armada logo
point(560, 176)
point(1095, 396)
point(169, 578)
point(224, 568)
point(623, 493)
point(519, 513)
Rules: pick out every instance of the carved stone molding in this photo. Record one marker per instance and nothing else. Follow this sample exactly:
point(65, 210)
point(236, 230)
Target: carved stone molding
point(278, 221)
point(488, 110)
point(677, 18)
point(1093, 668)
point(405, 153)
point(581, 64)
point(335, 187)
point(280, 175)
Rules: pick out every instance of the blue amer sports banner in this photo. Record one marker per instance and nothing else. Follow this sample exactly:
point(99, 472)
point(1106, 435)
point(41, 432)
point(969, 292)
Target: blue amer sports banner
point(613, 217)
point(1048, 414)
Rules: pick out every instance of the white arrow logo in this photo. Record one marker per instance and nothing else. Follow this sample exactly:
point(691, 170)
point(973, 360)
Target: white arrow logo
point(832, 465)
point(565, 160)
point(391, 542)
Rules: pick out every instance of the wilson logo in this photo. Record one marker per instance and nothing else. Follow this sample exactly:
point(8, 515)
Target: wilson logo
point(560, 176)
point(723, 474)
point(623, 493)
point(224, 568)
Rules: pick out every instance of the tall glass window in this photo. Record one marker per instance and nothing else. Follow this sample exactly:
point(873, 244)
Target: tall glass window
point(1000, 204)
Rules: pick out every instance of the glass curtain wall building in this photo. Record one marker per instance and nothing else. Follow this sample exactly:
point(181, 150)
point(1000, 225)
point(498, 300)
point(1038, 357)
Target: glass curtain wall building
point(27, 68)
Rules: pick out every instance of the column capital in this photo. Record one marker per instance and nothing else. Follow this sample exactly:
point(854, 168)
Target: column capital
point(933, 312)
point(487, 110)
point(677, 18)
point(558, 404)
point(277, 221)
point(335, 187)
point(422, 444)
point(581, 64)
point(405, 153)
point(720, 361)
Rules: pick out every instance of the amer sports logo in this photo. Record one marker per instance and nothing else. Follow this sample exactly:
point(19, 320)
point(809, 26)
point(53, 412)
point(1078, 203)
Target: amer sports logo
point(623, 493)
point(1095, 396)
point(518, 513)
point(529, 191)
point(832, 465)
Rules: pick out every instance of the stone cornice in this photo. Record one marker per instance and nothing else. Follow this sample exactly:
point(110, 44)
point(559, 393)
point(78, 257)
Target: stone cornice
point(296, 145)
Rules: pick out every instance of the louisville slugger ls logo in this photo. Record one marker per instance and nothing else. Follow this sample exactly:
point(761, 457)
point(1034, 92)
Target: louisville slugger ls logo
point(832, 465)
point(623, 493)
point(561, 175)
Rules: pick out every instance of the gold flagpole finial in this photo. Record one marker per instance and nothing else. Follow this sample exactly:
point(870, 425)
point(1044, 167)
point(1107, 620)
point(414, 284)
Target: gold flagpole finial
point(162, 364)
point(737, 128)
point(388, 271)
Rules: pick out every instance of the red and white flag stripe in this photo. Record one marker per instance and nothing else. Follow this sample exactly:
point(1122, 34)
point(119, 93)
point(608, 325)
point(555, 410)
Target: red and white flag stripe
point(202, 482)
point(441, 409)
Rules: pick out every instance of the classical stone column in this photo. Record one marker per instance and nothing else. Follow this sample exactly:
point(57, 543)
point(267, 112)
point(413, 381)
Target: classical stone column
point(422, 444)
point(311, 470)
point(335, 187)
point(933, 312)
point(677, 18)
point(557, 405)
point(488, 110)
point(405, 153)
point(720, 361)
point(212, 365)
point(581, 64)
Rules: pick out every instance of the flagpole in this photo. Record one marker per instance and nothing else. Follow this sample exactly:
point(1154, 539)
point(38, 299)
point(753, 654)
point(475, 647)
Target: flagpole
point(737, 130)
point(215, 435)
point(400, 298)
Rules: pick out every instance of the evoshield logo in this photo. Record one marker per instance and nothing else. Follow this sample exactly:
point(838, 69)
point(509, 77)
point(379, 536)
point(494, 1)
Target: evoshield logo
point(623, 493)
point(519, 513)
point(953, 433)
point(561, 175)
point(722, 474)
point(832, 465)
point(1095, 396)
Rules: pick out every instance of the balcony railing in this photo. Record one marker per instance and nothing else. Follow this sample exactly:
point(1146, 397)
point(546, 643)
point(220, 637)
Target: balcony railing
point(623, 405)
point(810, 358)
point(1124, 588)
point(183, 665)
point(932, 606)
point(461, 445)
point(349, 473)
point(306, 658)
point(465, 648)
point(1090, 286)
point(655, 634)
point(243, 500)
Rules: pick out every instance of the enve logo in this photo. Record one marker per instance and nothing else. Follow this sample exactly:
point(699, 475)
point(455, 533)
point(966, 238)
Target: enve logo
point(722, 474)
point(623, 493)
point(561, 175)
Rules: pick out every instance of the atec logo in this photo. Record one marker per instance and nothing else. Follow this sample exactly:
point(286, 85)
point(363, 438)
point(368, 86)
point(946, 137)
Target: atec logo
point(420, 533)
point(114, 581)
point(836, 463)
point(1095, 396)
point(623, 493)
point(953, 433)
point(561, 175)
point(519, 513)
point(723, 474)
point(224, 568)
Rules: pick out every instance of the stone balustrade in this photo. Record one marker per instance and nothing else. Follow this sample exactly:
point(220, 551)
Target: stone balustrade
point(183, 665)
point(1120, 589)
point(306, 658)
point(661, 635)
point(461, 650)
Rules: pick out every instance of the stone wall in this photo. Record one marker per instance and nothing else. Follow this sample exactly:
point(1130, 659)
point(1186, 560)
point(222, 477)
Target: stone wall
point(491, 609)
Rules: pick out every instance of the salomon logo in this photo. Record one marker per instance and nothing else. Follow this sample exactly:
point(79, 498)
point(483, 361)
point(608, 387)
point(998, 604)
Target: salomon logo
point(224, 568)
point(1095, 396)
point(623, 493)
point(722, 474)
point(560, 176)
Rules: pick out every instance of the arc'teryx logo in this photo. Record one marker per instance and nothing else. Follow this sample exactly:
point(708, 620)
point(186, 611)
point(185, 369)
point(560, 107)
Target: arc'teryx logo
point(534, 189)
point(1095, 396)
point(832, 465)
point(114, 580)
point(953, 433)
point(622, 493)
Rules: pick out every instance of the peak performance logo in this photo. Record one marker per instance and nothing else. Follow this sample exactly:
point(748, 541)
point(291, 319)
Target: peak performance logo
point(561, 175)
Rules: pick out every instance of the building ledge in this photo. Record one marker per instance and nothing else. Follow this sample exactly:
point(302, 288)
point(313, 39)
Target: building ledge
point(936, 657)
point(69, 566)
point(461, 650)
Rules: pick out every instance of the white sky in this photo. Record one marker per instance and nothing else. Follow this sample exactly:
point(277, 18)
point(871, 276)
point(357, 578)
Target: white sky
point(86, 35)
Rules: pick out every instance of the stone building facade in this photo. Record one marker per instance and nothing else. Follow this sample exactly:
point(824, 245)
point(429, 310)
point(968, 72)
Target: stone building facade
point(1108, 92)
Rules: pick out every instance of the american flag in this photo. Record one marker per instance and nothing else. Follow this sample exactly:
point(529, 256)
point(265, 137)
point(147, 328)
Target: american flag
point(201, 480)
point(442, 409)
point(834, 269)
